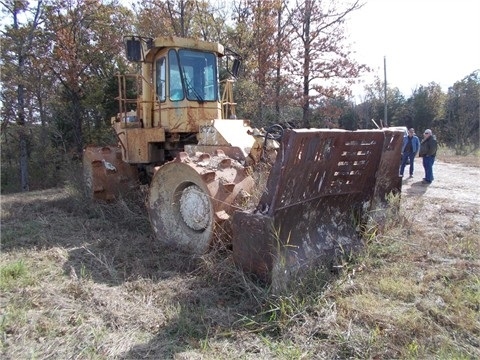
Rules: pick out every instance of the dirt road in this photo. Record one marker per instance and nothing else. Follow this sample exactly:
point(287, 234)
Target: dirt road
point(453, 198)
point(453, 182)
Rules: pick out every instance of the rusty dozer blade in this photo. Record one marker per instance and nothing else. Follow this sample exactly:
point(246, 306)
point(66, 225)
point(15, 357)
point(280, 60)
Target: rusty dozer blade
point(191, 195)
point(106, 175)
point(318, 192)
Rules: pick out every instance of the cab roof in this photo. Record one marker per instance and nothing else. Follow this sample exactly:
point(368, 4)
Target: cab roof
point(162, 42)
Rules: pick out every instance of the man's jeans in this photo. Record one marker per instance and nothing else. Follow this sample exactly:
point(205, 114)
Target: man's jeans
point(428, 166)
point(405, 158)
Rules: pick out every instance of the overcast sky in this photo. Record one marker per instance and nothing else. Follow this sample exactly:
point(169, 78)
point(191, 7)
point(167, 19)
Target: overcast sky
point(422, 41)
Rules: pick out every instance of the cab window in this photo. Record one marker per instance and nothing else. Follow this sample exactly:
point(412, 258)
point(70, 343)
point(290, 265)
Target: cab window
point(175, 77)
point(160, 78)
point(199, 75)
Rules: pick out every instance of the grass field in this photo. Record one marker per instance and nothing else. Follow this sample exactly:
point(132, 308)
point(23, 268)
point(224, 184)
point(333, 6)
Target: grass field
point(88, 281)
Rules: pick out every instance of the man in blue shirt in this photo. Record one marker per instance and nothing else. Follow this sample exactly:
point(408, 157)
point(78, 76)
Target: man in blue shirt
point(410, 148)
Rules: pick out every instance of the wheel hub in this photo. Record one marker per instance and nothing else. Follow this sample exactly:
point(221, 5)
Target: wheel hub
point(195, 208)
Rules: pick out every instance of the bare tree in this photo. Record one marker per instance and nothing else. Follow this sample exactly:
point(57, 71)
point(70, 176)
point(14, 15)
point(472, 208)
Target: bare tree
point(319, 52)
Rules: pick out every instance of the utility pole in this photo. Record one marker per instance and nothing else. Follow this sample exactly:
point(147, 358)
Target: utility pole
point(385, 90)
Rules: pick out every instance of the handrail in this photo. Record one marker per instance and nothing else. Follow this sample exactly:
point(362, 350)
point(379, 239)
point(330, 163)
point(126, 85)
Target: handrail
point(228, 105)
point(122, 98)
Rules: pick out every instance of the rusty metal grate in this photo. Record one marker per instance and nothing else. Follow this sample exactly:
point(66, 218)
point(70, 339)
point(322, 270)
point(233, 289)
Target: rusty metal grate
point(321, 163)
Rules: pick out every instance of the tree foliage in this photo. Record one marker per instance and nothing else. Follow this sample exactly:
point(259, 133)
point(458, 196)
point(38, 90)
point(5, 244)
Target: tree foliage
point(460, 125)
point(183, 18)
point(426, 106)
point(84, 38)
point(258, 37)
point(374, 106)
point(19, 43)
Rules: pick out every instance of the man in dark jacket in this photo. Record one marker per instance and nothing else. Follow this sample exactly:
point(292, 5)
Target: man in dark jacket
point(428, 150)
point(410, 147)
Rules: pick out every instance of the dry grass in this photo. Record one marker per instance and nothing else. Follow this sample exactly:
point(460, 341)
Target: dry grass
point(448, 155)
point(89, 281)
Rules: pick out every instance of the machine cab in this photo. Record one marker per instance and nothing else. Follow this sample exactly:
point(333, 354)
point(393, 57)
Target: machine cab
point(179, 82)
point(177, 92)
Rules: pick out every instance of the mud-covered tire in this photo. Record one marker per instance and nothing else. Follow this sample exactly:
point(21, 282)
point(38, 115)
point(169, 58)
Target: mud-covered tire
point(190, 197)
point(180, 208)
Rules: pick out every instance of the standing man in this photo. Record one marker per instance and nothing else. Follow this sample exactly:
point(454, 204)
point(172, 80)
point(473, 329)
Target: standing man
point(410, 147)
point(428, 150)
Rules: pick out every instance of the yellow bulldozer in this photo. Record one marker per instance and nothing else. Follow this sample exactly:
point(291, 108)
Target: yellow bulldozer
point(286, 197)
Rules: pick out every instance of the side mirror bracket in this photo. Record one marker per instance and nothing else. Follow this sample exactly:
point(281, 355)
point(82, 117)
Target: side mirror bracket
point(234, 63)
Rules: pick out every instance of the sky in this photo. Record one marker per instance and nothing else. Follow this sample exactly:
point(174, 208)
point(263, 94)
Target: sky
point(422, 41)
